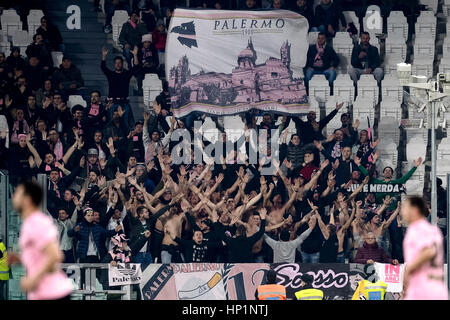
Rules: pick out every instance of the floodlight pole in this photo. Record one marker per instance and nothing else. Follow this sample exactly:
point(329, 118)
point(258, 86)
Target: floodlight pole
point(433, 97)
point(433, 165)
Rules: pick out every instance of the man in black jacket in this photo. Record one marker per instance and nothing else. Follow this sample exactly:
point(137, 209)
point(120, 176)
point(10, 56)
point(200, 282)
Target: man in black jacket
point(321, 59)
point(95, 117)
point(39, 49)
point(365, 60)
point(68, 77)
point(34, 73)
point(195, 250)
point(119, 83)
point(142, 225)
point(311, 130)
point(305, 8)
point(327, 17)
point(240, 246)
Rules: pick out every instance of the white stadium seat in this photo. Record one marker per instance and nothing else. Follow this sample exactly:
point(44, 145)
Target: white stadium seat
point(312, 37)
point(426, 25)
point(344, 88)
point(446, 47)
point(390, 87)
point(444, 65)
point(414, 186)
point(396, 22)
point(151, 87)
point(343, 45)
point(21, 39)
point(314, 106)
point(209, 129)
point(416, 148)
point(443, 149)
point(118, 19)
point(388, 128)
point(390, 107)
point(388, 151)
point(330, 105)
point(34, 20)
point(363, 108)
point(446, 9)
point(234, 127)
point(10, 21)
point(390, 64)
point(414, 114)
point(423, 66)
point(76, 99)
point(414, 128)
point(372, 21)
point(396, 45)
point(319, 88)
point(57, 57)
point(368, 88)
point(424, 46)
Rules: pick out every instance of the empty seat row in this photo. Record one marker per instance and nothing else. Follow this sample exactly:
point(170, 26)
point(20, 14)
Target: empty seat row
point(10, 21)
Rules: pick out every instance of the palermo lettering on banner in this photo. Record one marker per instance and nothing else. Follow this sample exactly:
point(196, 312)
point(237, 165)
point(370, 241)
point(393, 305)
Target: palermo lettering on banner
point(124, 274)
point(228, 62)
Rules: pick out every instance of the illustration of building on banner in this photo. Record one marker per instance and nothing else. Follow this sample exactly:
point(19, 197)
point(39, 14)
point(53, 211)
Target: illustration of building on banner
point(248, 83)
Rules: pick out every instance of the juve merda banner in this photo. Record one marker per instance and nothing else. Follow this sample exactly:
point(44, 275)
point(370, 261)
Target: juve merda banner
point(223, 62)
point(228, 281)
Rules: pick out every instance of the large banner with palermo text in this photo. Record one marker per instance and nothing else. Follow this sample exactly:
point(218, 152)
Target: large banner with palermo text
point(223, 62)
point(222, 281)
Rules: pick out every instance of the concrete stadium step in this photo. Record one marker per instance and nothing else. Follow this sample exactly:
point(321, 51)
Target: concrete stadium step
point(85, 14)
point(89, 74)
point(79, 48)
point(95, 77)
point(87, 56)
point(85, 41)
point(77, 34)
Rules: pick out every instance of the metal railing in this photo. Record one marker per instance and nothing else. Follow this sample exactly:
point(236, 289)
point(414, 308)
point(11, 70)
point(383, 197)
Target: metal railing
point(87, 285)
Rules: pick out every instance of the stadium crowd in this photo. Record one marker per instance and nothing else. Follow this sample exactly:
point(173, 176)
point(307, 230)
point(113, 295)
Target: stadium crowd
point(113, 180)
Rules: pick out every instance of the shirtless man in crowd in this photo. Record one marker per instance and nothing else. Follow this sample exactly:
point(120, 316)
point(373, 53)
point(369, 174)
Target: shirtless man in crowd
point(173, 223)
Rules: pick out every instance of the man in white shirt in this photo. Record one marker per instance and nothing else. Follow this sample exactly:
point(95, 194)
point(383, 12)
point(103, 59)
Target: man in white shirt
point(63, 224)
point(284, 250)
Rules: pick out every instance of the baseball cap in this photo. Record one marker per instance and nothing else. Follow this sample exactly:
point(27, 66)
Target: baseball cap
point(147, 37)
point(92, 151)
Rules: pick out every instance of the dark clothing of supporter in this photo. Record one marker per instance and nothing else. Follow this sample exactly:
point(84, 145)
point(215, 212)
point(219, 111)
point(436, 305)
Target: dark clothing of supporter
point(328, 15)
point(99, 236)
point(371, 252)
point(118, 82)
point(307, 132)
point(328, 252)
point(240, 247)
point(138, 239)
point(329, 58)
point(372, 60)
